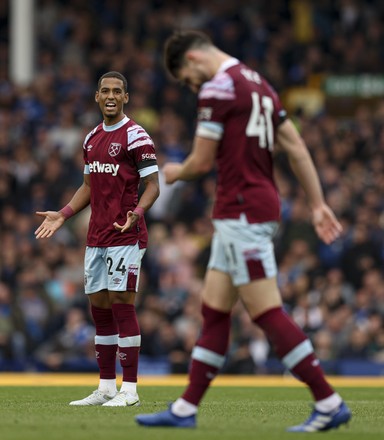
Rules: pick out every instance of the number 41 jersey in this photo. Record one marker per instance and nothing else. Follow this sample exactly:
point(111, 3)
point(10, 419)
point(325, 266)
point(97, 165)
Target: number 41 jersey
point(238, 108)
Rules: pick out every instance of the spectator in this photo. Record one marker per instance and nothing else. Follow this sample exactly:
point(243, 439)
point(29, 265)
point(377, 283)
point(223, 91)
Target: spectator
point(71, 348)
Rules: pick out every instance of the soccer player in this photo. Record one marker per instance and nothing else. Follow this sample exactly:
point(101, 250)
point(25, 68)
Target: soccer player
point(240, 120)
point(118, 154)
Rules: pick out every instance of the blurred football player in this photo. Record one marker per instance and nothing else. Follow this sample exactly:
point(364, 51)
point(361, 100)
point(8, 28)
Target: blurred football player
point(240, 122)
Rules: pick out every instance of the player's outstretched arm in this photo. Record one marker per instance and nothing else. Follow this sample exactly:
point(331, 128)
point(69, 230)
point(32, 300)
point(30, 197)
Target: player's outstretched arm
point(324, 221)
point(55, 219)
point(200, 161)
point(52, 222)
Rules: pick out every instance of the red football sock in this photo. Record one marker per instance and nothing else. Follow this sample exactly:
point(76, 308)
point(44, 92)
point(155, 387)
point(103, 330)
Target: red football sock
point(129, 339)
point(295, 350)
point(208, 354)
point(105, 341)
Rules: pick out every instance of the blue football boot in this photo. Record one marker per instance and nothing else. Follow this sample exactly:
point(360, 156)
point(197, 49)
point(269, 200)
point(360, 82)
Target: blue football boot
point(167, 419)
point(319, 421)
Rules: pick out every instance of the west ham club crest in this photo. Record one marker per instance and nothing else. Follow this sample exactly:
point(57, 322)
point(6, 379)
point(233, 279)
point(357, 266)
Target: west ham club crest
point(114, 149)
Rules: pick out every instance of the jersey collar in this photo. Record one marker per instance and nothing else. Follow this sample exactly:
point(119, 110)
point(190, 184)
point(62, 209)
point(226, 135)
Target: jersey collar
point(228, 63)
point(115, 126)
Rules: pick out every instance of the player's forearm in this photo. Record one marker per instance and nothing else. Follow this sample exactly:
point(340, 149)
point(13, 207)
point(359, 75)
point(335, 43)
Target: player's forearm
point(305, 171)
point(301, 162)
point(192, 168)
point(79, 201)
point(150, 193)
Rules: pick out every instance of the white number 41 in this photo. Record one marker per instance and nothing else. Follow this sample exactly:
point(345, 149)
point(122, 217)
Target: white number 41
point(260, 124)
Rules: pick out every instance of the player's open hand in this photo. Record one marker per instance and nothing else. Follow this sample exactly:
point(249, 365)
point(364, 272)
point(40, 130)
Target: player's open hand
point(326, 224)
point(132, 219)
point(52, 222)
point(171, 172)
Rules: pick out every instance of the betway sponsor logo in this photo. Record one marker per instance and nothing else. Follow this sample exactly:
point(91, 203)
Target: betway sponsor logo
point(109, 168)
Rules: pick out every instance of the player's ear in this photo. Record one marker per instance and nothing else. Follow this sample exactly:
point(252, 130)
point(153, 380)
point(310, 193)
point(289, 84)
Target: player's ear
point(97, 96)
point(126, 98)
point(192, 55)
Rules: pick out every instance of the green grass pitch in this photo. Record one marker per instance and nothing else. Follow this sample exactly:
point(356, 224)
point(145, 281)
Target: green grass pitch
point(227, 413)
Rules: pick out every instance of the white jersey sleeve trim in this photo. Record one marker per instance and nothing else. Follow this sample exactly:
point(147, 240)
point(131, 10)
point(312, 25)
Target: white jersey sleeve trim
point(221, 87)
point(210, 130)
point(146, 140)
point(137, 137)
point(86, 169)
point(88, 136)
point(144, 172)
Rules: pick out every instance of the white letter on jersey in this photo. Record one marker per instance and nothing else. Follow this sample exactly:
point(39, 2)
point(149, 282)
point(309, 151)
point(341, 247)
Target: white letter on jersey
point(260, 125)
point(250, 75)
point(109, 168)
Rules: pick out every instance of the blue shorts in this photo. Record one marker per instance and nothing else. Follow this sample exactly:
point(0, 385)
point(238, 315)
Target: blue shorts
point(115, 268)
point(243, 250)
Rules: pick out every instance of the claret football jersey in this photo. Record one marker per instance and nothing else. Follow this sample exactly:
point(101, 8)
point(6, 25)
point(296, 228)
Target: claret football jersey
point(238, 108)
point(116, 157)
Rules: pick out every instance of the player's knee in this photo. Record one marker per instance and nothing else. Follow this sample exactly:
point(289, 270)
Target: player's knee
point(216, 329)
point(104, 321)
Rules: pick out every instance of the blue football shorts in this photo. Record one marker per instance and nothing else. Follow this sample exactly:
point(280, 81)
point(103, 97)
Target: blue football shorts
point(243, 250)
point(115, 268)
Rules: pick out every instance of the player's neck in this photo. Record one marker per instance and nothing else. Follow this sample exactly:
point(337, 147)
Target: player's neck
point(113, 121)
point(217, 60)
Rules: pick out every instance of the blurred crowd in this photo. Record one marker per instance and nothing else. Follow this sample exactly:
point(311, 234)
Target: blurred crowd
point(335, 293)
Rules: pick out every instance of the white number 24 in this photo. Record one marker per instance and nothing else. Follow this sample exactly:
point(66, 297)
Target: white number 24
point(260, 124)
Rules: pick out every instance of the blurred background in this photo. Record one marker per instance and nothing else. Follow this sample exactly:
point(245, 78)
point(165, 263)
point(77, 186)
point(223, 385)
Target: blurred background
point(326, 60)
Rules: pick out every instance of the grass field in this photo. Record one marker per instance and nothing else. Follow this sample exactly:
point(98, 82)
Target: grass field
point(227, 413)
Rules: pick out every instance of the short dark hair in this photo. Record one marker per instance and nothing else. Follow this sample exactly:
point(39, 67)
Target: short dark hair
point(178, 44)
point(114, 74)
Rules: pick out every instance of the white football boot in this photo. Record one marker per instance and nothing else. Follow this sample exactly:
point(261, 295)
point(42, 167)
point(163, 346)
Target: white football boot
point(98, 397)
point(124, 398)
